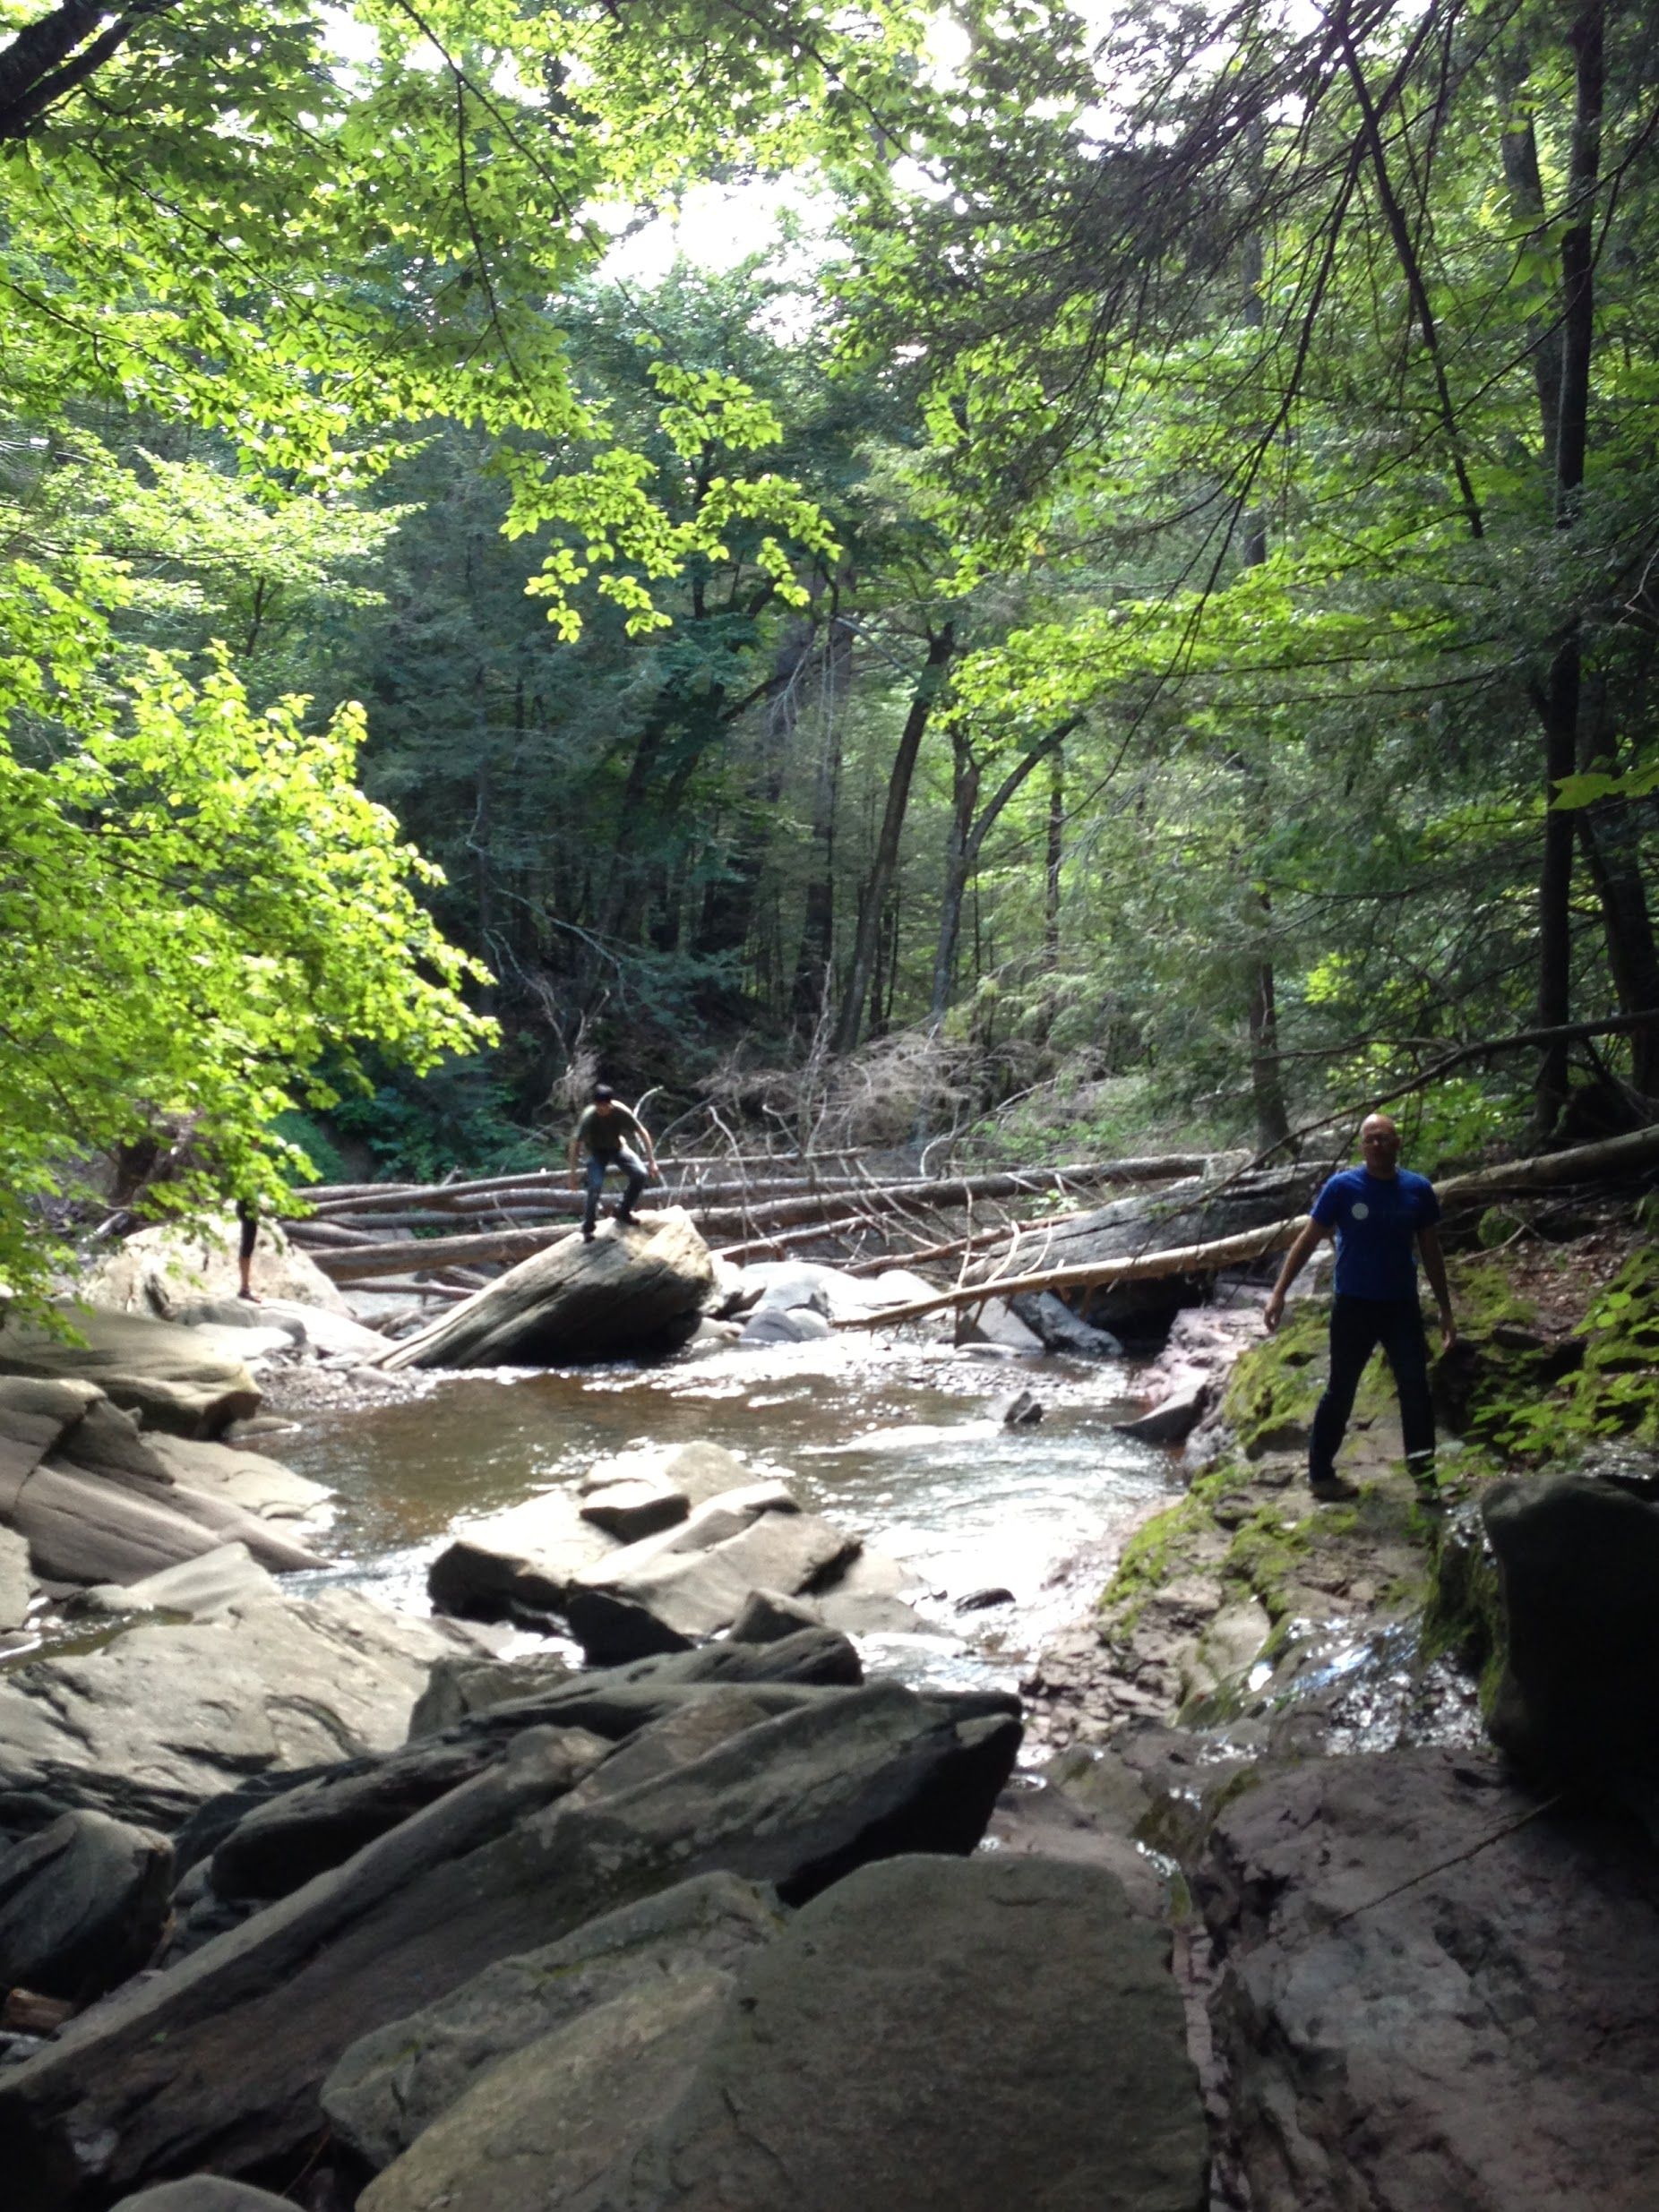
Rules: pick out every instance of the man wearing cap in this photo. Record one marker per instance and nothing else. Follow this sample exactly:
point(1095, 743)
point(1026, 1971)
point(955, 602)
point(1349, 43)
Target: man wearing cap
point(1381, 1216)
point(605, 1129)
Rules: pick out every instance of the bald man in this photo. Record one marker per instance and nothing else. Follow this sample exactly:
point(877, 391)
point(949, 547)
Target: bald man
point(1381, 1216)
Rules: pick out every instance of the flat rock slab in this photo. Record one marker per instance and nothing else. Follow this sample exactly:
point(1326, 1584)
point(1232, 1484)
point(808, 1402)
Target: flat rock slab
point(153, 1367)
point(390, 2087)
point(259, 1486)
point(223, 2056)
point(163, 1718)
point(523, 1561)
point(1437, 1993)
point(972, 2033)
point(217, 1583)
point(631, 1291)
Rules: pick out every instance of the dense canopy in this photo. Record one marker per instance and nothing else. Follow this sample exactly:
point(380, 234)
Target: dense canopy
point(1132, 602)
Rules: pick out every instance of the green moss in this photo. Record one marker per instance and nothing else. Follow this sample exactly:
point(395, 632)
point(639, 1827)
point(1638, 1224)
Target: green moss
point(1262, 1557)
point(1526, 1410)
point(1486, 1298)
point(1463, 1617)
point(1276, 1385)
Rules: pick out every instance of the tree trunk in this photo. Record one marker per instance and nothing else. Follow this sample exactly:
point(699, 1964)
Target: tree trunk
point(965, 798)
point(1562, 699)
point(940, 647)
point(816, 954)
point(1055, 857)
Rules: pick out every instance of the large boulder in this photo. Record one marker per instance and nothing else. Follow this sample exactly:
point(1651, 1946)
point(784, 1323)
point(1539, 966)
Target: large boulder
point(161, 1718)
point(102, 1505)
point(1438, 1991)
point(674, 1589)
point(1578, 1575)
point(976, 2034)
point(154, 1369)
point(396, 2082)
point(82, 1904)
point(224, 2054)
point(164, 1270)
point(633, 1291)
point(1193, 1211)
point(721, 1536)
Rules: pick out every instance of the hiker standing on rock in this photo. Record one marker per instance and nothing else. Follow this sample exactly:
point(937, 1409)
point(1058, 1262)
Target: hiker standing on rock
point(605, 1129)
point(1376, 1212)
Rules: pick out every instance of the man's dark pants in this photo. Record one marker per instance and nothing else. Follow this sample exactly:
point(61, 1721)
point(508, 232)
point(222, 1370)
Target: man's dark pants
point(628, 1163)
point(1357, 1327)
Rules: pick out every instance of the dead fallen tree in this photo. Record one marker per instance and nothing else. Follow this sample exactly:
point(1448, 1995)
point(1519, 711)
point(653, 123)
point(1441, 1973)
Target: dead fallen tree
point(1585, 1163)
point(757, 1220)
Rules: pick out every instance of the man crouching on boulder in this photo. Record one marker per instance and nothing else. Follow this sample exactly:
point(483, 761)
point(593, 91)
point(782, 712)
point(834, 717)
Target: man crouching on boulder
point(605, 1129)
point(1376, 1212)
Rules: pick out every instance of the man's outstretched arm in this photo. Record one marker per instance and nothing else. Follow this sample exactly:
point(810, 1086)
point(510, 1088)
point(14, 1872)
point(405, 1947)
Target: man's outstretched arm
point(1434, 1267)
point(1307, 1237)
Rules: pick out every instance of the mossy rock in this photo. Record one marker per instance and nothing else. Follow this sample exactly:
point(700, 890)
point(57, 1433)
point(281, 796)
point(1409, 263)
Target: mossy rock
point(1276, 1385)
point(1527, 1412)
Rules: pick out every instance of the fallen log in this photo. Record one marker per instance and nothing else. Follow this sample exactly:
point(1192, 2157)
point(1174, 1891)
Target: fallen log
point(1550, 1170)
point(740, 1223)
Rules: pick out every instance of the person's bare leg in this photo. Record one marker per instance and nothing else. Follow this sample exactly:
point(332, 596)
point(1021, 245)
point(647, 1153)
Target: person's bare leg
point(244, 1253)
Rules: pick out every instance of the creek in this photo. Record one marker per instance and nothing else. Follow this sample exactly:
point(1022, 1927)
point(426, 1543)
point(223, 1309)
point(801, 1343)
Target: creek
point(901, 1442)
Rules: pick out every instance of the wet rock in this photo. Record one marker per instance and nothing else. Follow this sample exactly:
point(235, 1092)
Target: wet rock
point(1024, 1409)
point(866, 1597)
point(390, 2087)
point(216, 1583)
point(1058, 1329)
point(1578, 1579)
point(521, 1563)
point(777, 1324)
point(229, 2048)
point(996, 1324)
point(633, 1291)
point(1026, 1986)
point(163, 1717)
point(768, 1616)
point(83, 1905)
point(982, 1600)
point(1178, 1410)
point(681, 1593)
point(259, 1486)
point(699, 1471)
point(327, 1333)
point(149, 1368)
point(632, 1508)
point(1436, 1993)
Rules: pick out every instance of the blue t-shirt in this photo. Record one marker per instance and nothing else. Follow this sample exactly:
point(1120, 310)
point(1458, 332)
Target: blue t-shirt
point(1376, 1219)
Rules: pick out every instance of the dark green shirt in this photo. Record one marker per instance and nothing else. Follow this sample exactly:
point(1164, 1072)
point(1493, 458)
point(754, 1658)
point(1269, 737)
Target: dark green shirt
point(604, 1135)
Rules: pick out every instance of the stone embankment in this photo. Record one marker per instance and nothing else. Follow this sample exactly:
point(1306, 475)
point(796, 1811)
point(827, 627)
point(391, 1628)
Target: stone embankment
point(1339, 1892)
point(1407, 1760)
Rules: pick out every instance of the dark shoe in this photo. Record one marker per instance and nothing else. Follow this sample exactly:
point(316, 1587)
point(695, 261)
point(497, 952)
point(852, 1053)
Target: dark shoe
point(1332, 1489)
point(586, 1236)
point(625, 1220)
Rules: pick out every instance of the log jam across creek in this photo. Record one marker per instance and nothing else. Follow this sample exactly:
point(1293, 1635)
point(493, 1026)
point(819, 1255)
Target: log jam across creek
point(902, 1443)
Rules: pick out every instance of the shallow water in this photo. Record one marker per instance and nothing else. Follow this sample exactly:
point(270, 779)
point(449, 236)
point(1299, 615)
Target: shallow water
point(899, 1441)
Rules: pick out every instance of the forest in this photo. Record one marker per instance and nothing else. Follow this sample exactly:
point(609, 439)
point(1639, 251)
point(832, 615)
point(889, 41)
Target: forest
point(880, 573)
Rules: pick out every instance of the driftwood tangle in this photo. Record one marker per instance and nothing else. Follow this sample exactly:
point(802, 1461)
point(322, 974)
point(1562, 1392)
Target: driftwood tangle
point(1584, 1163)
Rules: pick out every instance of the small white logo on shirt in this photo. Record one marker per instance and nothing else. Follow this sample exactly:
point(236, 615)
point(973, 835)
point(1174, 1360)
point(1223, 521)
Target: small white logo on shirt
point(1361, 1211)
